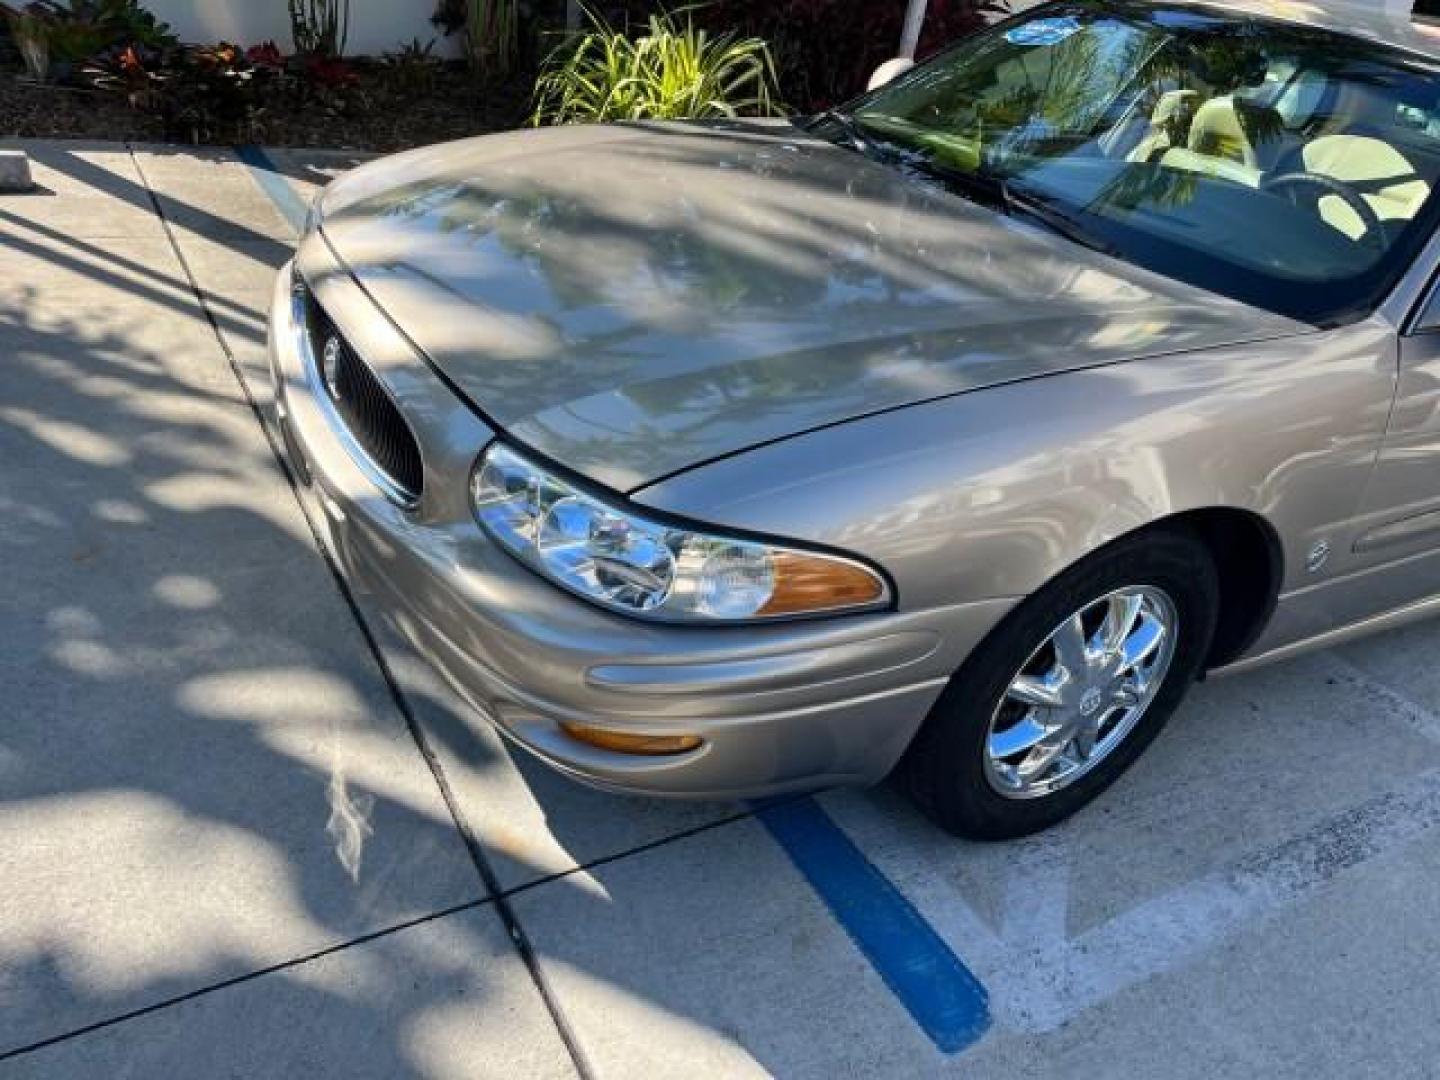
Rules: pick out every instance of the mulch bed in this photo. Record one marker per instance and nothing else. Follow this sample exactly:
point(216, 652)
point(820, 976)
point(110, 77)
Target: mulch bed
point(374, 115)
point(31, 111)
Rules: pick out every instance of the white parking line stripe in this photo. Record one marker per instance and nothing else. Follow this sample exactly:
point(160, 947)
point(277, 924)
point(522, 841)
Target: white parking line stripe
point(1037, 898)
point(1416, 715)
point(1037, 990)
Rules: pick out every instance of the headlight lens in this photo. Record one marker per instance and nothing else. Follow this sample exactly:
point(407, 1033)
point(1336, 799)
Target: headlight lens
point(628, 563)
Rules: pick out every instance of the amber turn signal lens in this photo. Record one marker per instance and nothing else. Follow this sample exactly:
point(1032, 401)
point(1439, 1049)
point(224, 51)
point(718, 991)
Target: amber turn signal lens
point(805, 584)
point(624, 743)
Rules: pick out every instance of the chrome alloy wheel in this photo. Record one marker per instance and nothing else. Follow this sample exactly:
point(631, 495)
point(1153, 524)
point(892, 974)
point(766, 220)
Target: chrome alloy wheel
point(1081, 692)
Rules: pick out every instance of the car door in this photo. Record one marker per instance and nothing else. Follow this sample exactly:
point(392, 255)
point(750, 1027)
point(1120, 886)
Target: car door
point(1396, 549)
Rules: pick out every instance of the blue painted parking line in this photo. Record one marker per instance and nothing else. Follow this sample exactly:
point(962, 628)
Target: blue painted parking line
point(274, 184)
point(936, 988)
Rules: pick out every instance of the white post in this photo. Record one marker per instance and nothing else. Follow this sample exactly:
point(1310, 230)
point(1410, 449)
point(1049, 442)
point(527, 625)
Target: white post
point(910, 35)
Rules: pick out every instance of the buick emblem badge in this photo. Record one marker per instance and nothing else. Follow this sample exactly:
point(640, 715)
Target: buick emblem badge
point(330, 366)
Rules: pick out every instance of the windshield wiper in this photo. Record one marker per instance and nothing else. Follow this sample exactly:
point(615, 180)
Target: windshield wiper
point(846, 123)
point(1000, 193)
point(859, 137)
point(1053, 218)
point(979, 185)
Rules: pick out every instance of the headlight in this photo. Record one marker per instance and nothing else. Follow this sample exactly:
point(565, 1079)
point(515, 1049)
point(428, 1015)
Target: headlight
point(628, 563)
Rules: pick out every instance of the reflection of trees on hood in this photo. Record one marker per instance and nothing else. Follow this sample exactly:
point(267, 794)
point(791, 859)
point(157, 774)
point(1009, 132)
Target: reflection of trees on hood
point(695, 262)
point(656, 285)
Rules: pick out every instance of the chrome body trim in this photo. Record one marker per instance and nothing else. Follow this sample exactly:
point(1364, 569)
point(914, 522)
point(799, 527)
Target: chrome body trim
point(304, 348)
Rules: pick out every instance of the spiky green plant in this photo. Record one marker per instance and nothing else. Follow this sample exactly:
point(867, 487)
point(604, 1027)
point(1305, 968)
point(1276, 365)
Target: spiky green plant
point(673, 70)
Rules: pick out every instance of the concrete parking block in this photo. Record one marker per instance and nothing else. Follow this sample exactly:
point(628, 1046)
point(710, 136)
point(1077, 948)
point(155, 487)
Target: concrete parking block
point(15, 171)
point(85, 190)
point(80, 166)
point(445, 999)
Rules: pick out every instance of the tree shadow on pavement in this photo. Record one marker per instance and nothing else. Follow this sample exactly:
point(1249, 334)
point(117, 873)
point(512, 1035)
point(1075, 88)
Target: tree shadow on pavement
point(202, 774)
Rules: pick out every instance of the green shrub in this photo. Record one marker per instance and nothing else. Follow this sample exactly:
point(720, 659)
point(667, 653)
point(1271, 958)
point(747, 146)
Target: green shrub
point(73, 31)
point(672, 71)
point(125, 22)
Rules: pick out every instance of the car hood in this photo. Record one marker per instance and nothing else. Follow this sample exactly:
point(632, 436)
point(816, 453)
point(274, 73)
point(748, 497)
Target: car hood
point(635, 300)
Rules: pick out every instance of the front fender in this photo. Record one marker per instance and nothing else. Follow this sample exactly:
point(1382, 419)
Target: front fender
point(992, 493)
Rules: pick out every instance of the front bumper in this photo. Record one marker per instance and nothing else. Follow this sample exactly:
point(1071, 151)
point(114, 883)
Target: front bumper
point(779, 707)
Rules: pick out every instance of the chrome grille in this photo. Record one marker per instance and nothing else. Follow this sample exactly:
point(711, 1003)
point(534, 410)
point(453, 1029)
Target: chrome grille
point(363, 406)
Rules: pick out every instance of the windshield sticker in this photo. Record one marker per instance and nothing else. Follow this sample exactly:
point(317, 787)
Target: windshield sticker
point(1043, 31)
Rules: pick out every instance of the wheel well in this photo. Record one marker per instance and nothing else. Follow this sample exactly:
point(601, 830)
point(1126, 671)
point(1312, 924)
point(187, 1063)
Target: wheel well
point(1250, 564)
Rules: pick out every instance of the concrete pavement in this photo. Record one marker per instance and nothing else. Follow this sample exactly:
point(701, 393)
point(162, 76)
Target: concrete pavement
point(244, 832)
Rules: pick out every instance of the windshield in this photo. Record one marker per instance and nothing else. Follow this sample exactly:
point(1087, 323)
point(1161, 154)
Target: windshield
point(1288, 167)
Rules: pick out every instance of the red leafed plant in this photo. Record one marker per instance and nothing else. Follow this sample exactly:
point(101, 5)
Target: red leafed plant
point(266, 55)
point(330, 72)
point(132, 72)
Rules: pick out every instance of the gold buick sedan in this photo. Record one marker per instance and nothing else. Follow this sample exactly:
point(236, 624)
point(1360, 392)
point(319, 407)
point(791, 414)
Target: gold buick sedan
point(954, 432)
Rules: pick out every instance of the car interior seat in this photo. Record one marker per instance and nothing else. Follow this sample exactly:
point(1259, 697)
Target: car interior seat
point(1168, 123)
point(1382, 176)
point(1230, 138)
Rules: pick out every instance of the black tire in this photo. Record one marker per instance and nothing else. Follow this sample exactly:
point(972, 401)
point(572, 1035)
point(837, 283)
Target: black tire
point(944, 769)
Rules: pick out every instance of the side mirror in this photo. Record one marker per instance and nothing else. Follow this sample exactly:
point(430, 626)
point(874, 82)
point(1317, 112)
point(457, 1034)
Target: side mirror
point(889, 70)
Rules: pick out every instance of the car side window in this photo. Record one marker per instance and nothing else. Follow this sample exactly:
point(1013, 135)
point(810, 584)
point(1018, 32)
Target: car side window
point(1428, 321)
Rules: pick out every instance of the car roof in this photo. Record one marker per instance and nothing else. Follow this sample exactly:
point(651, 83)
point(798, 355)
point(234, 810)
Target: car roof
point(1366, 20)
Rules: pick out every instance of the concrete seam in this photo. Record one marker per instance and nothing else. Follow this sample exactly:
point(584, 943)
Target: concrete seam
point(478, 857)
point(236, 980)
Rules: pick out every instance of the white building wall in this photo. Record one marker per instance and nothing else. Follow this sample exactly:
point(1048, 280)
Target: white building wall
point(375, 25)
